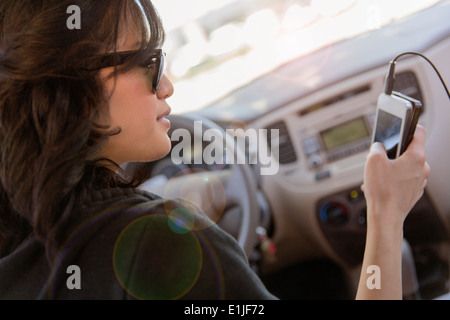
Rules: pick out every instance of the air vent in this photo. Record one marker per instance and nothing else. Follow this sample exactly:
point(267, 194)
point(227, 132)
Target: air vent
point(286, 149)
point(407, 83)
point(333, 100)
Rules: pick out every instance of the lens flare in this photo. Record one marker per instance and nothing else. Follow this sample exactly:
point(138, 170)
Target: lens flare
point(181, 220)
point(148, 272)
point(200, 187)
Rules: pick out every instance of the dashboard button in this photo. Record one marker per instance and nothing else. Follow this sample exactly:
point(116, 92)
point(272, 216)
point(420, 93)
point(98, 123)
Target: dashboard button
point(334, 213)
point(311, 145)
point(323, 175)
point(355, 195)
point(315, 161)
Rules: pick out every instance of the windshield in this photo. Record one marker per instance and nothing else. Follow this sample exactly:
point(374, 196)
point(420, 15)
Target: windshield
point(216, 46)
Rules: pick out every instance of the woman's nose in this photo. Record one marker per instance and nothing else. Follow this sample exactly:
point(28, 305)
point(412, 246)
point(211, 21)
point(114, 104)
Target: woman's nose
point(166, 88)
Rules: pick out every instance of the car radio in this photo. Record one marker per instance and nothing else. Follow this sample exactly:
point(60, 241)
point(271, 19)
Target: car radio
point(338, 140)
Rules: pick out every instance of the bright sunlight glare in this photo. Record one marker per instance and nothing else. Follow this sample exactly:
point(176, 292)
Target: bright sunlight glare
point(216, 46)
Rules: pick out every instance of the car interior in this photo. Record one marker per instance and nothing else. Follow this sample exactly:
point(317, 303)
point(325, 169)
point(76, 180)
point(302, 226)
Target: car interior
point(303, 227)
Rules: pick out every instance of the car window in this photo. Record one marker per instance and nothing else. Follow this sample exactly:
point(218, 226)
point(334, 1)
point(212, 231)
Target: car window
point(216, 46)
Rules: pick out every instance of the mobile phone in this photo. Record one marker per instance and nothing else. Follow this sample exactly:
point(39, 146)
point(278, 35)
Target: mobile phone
point(414, 118)
point(395, 123)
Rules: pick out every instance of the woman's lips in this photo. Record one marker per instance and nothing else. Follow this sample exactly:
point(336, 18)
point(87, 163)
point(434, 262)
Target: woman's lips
point(161, 119)
point(164, 121)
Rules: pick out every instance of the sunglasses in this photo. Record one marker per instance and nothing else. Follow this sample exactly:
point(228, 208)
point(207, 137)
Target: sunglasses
point(155, 64)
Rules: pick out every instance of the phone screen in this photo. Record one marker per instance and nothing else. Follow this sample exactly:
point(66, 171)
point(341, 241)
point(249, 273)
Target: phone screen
point(388, 131)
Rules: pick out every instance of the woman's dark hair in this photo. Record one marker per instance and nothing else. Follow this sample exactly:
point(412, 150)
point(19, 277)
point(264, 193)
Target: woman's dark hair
point(49, 139)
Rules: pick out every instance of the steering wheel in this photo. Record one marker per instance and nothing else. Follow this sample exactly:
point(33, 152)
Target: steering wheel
point(235, 181)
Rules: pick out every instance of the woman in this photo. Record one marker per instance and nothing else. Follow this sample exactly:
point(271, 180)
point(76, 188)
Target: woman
point(77, 104)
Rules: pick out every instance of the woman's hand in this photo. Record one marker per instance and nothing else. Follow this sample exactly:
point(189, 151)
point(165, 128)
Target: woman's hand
point(392, 187)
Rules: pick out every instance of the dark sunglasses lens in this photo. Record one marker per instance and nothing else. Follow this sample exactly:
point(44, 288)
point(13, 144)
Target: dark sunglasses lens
point(159, 70)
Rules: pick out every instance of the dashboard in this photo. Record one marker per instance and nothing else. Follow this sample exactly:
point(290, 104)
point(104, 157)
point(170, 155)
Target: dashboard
point(324, 107)
point(325, 139)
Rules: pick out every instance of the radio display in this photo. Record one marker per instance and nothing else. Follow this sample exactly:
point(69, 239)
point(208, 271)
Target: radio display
point(345, 133)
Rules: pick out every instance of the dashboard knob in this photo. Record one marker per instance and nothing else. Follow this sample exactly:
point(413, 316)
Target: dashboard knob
point(334, 213)
point(315, 161)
